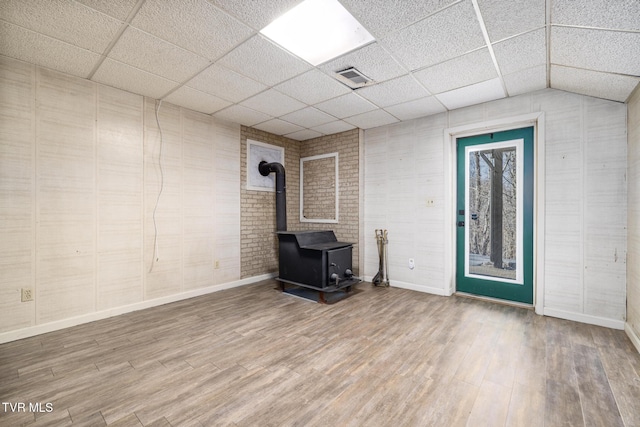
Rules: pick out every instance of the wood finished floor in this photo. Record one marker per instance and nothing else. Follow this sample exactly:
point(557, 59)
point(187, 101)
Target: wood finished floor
point(252, 356)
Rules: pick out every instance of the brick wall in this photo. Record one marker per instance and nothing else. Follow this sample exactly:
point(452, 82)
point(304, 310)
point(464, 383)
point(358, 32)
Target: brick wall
point(259, 245)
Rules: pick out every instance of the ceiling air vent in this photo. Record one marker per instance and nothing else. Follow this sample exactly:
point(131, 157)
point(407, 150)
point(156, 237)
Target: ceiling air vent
point(353, 78)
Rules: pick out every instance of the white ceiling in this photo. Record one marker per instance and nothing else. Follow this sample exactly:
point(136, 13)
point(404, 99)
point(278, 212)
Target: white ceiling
point(428, 56)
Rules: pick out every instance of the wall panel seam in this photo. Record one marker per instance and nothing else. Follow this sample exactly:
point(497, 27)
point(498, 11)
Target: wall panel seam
point(583, 205)
point(34, 192)
point(96, 197)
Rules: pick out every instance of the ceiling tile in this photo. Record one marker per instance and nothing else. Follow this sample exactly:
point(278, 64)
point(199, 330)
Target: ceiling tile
point(303, 135)
point(123, 76)
point(263, 61)
point(333, 127)
point(371, 119)
point(592, 83)
point(63, 20)
point(213, 46)
point(345, 106)
point(599, 50)
point(522, 52)
point(465, 70)
point(277, 126)
point(471, 95)
point(312, 87)
point(308, 117)
point(119, 9)
point(156, 56)
point(507, 18)
point(195, 25)
point(45, 51)
point(394, 91)
point(196, 100)
point(372, 61)
point(243, 115)
point(620, 14)
point(273, 103)
point(256, 13)
point(416, 108)
point(438, 38)
point(383, 16)
point(528, 80)
point(225, 83)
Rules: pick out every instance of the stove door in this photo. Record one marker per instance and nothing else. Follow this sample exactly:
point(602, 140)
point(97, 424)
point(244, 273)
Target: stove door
point(338, 261)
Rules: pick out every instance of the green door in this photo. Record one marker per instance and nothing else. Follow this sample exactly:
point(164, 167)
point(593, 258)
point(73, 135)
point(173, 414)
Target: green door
point(494, 238)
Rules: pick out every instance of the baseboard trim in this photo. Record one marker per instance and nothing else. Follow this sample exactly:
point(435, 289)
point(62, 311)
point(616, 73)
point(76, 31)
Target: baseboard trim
point(585, 318)
point(415, 287)
point(44, 328)
point(635, 340)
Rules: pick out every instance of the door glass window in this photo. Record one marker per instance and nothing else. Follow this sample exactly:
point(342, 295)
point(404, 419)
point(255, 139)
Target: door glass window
point(493, 216)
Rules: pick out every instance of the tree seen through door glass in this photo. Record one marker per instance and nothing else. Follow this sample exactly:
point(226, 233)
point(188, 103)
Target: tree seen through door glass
point(492, 203)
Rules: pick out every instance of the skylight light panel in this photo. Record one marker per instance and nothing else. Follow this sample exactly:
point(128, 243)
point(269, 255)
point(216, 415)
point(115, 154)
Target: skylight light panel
point(318, 31)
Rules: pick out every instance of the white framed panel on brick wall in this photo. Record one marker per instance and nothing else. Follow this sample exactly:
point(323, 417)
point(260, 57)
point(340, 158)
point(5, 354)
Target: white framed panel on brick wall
point(331, 197)
point(258, 152)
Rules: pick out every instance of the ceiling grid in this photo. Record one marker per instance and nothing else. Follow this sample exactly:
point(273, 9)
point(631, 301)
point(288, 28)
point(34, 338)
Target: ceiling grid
point(427, 56)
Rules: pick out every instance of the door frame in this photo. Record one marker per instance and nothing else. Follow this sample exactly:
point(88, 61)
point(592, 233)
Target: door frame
point(515, 122)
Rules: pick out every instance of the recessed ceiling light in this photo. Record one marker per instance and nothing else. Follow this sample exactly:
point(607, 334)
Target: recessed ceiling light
point(317, 31)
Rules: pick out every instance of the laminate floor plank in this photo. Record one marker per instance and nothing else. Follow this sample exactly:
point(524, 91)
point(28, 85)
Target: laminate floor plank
point(624, 382)
point(343, 408)
point(562, 405)
point(452, 405)
point(598, 404)
point(559, 364)
point(531, 364)
point(526, 407)
point(491, 406)
point(389, 403)
point(475, 363)
point(253, 356)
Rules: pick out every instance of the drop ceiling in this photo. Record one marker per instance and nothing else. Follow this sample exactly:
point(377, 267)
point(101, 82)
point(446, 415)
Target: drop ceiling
point(428, 56)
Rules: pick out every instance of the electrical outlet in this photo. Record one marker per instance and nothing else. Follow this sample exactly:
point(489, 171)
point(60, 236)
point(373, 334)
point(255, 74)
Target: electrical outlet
point(216, 264)
point(412, 263)
point(430, 203)
point(27, 294)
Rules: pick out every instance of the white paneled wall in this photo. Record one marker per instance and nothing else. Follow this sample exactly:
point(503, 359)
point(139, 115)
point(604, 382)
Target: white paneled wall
point(586, 203)
point(403, 170)
point(17, 184)
point(82, 167)
point(605, 219)
point(564, 272)
point(226, 202)
point(633, 217)
point(406, 167)
point(120, 184)
point(65, 196)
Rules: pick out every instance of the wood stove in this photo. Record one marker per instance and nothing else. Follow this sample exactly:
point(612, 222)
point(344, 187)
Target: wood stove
point(309, 259)
point(315, 260)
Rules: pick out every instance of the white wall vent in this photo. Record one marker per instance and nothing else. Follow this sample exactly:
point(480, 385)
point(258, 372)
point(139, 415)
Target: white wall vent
point(353, 78)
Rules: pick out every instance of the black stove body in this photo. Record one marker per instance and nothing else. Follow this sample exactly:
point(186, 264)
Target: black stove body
point(316, 260)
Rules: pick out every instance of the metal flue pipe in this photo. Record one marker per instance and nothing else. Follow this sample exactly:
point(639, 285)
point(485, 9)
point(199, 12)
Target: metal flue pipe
point(265, 169)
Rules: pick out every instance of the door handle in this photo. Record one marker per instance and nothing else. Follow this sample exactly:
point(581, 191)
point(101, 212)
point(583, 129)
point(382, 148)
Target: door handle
point(460, 223)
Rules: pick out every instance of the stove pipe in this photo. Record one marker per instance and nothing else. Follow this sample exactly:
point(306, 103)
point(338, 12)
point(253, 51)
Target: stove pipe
point(281, 193)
